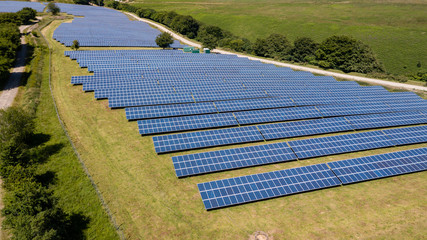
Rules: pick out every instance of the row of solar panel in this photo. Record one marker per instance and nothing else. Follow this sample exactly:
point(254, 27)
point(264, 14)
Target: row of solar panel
point(206, 121)
point(239, 190)
point(208, 162)
point(219, 137)
point(143, 99)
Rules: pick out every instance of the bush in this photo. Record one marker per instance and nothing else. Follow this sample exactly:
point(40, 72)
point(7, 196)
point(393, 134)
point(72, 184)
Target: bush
point(27, 14)
point(51, 7)
point(304, 49)
point(185, 25)
point(347, 54)
point(164, 40)
point(210, 36)
point(75, 45)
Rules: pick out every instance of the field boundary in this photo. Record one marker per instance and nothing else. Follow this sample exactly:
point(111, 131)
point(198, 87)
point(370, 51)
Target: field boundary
point(98, 193)
point(292, 66)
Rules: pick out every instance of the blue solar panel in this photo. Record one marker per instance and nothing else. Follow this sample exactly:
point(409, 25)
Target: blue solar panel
point(386, 120)
point(353, 109)
point(324, 146)
point(304, 128)
point(148, 100)
point(380, 166)
point(16, 6)
point(233, 191)
point(276, 115)
point(175, 124)
point(408, 135)
point(207, 162)
point(252, 104)
point(169, 110)
point(194, 140)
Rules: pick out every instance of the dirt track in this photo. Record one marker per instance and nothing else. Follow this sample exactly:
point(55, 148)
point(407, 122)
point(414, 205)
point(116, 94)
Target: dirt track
point(11, 88)
point(295, 67)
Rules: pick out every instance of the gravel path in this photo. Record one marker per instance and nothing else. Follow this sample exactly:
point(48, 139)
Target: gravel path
point(295, 67)
point(11, 88)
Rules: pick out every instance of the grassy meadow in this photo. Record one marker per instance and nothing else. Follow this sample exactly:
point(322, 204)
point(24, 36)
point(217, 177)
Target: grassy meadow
point(149, 202)
point(396, 29)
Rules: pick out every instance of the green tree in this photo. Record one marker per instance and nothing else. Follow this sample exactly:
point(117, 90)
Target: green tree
point(210, 36)
point(83, 2)
point(164, 40)
point(278, 46)
point(51, 7)
point(27, 14)
point(76, 45)
point(347, 54)
point(304, 49)
point(185, 25)
point(260, 47)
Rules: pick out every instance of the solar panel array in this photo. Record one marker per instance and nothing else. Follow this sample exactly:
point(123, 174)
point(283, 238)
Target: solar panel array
point(216, 100)
point(16, 6)
point(103, 27)
point(239, 190)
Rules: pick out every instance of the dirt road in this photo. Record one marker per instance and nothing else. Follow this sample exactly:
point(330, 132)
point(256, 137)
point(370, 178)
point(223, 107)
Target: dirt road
point(295, 67)
point(11, 88)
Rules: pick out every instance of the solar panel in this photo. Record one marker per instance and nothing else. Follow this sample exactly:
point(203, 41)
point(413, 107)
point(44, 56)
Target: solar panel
point(386, 120)
point(207, 162)
point(160, 111)
point(194, 140)
point(148, 100)
point(239, 190)
point(380, 166)
point(175, 124)
point(408, 135)
point(315, 147)
point(276, 115)
point(252, 104)
point(304, 128)
point(353, 109)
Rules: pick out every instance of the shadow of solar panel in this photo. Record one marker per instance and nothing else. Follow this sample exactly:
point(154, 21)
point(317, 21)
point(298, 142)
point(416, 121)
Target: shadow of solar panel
point(245, 189)
point(386, 120)
point(380, 166)
point(161, 111)
point(208, 162)
point(324, 146)
point(276, 115)
point(176, 124)
point(304, 128)
point(408, 135)
point(204, 139)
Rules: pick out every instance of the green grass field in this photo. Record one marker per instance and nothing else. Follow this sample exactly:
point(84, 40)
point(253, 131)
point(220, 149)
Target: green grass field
point(76, 196)
point(396, 29)
point(149, 202)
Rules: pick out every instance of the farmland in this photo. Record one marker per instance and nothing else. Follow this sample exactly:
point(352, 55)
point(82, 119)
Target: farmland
point(397, 38)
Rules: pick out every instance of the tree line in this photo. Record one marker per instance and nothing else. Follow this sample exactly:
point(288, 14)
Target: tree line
point(10, 37)
point(337, 52)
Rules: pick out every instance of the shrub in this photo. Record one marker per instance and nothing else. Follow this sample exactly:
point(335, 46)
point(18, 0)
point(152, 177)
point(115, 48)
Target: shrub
point(164, 40)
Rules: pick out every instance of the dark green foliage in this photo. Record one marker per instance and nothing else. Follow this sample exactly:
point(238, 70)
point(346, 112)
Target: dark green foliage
point(185, 25)
point(347, 54)
point(164, 40)
point(51, 7)
point(304, 49)
point(13, 18)
point(145, 13)
point(278, 46)
point(30, 209)
point(419, 76)
point(210, 36)
point(83, 2)
point(113, 4)
point(260, 47)
point(27, 14)
point(76, 45)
